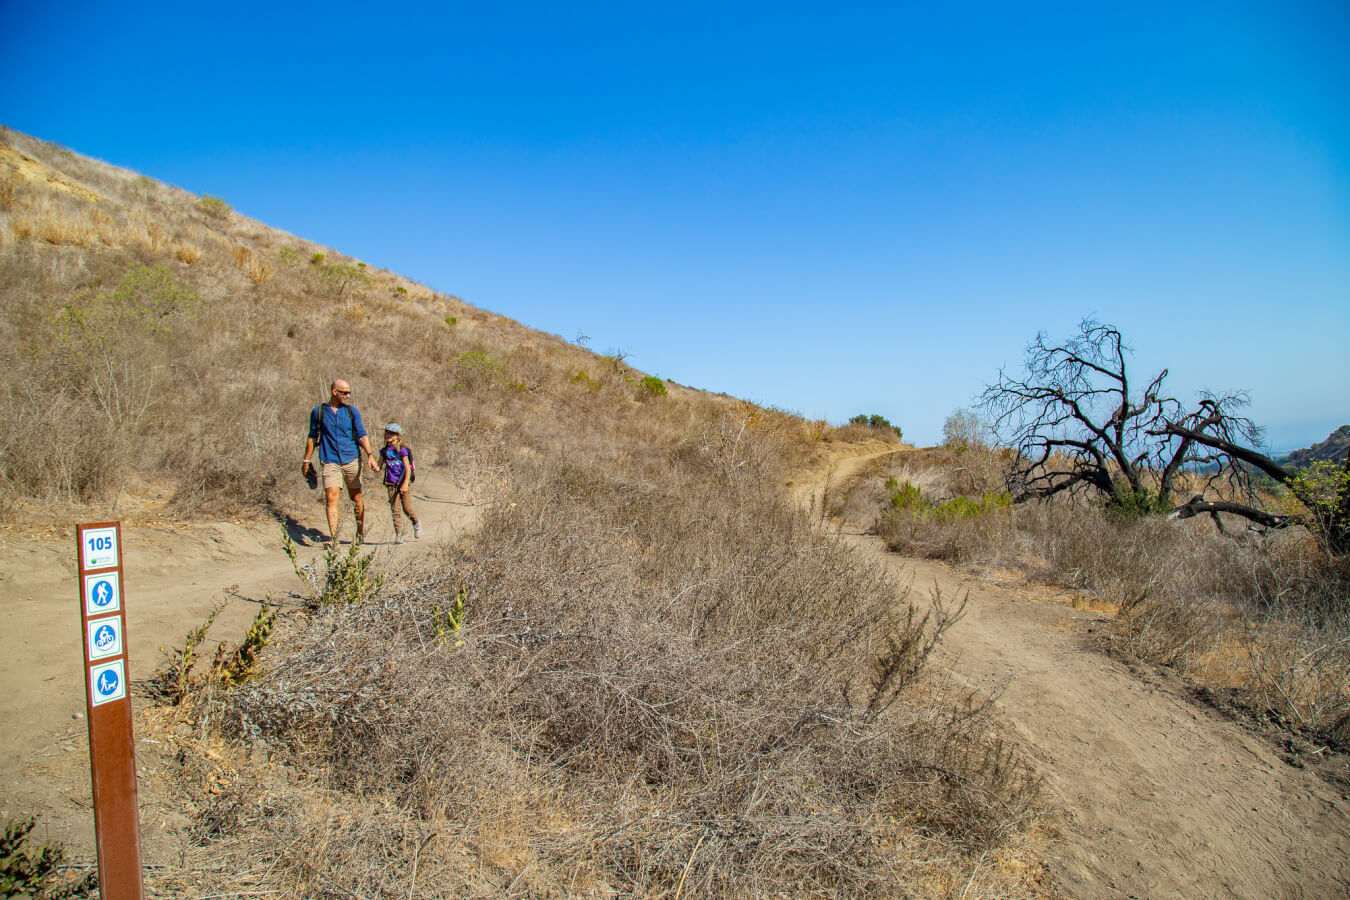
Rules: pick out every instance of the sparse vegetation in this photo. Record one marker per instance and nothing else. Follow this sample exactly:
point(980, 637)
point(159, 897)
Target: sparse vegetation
point(214, 207)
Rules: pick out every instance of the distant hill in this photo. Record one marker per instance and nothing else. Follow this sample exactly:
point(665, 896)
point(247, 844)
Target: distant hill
point(1333, 449)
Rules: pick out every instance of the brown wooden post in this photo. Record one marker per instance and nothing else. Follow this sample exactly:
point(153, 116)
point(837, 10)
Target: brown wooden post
point(112, 747)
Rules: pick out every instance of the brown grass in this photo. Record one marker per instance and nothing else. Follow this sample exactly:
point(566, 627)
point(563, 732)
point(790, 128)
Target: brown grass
point(668, 683)
point(662, 686)
point(1263, 618)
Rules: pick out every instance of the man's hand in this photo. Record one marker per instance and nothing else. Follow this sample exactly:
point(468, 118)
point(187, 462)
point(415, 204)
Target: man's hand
point(304, 466)
point(373, 461)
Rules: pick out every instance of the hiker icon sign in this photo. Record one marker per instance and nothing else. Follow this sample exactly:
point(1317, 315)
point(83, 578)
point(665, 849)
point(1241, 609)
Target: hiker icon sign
point(105, 637)
point(107, 682)
point(102, 594)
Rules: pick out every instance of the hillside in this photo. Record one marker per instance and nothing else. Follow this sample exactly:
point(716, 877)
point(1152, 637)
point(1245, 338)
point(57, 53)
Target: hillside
point(1333, 450)
point(662, 680)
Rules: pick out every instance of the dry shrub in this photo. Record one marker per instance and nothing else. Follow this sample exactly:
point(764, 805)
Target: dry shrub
point(187, 253)
point(1264, 619)
point(659, 690)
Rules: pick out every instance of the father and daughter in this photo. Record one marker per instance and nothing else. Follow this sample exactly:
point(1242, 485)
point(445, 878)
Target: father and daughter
point(338, 435)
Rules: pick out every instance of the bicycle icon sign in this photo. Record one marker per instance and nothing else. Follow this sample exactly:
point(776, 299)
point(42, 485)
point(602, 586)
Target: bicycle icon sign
point(105, 637)
point(102, 594)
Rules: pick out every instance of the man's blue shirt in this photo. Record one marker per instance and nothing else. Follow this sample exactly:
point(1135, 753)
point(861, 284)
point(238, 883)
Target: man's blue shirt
point(336, 432)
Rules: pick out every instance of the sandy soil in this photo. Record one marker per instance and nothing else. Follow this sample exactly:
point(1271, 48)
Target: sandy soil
point(1157, 797)
point(172, 579)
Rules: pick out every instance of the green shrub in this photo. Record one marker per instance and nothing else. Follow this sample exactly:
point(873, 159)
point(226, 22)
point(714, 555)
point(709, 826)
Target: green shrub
point(909, 498)
point(653, 386)
point(28, 870)
point(1129, 504)
point(344, 280)
point(474, 367)
point(877, 422)
point(345, 579)
point(214, 207)
point(451, 321)
point(316, 259)
point(288, 256)
point(400, 289)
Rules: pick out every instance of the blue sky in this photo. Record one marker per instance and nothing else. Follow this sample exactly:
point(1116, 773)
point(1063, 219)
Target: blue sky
point(868, 208)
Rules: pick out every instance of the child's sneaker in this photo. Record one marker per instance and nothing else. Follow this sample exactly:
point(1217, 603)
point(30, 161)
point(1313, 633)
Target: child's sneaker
point(399, 538)
point(417, 529)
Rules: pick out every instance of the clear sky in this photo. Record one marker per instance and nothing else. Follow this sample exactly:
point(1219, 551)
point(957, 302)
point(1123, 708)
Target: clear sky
point(829, 208)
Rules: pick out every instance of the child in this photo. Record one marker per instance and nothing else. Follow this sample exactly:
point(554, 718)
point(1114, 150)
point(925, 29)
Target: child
point(396, 461)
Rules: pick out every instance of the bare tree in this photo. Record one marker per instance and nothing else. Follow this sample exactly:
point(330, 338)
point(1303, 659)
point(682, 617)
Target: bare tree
point(1077, 425)
point(1323, 491)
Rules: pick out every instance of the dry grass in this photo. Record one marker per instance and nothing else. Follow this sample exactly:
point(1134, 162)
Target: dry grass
point(1264, 619)
point(668, 685)
point(662, 687)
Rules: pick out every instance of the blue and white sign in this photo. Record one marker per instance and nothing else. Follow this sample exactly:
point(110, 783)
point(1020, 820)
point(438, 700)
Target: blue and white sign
point(99, 547)
point(105, 637)
point(102, 594)
point(107, 682)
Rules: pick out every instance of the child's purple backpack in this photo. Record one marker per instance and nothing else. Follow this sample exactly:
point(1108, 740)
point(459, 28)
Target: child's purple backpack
point(403, 457)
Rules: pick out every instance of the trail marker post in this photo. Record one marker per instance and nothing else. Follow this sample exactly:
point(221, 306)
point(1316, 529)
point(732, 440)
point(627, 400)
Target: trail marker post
point(112, 748)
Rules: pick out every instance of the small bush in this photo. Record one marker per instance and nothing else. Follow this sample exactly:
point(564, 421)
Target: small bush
point(653, 386)
point(213, 207)
point(452, 321)
point(316, 259)
point(878, 422)
point(38, 871)
point(474, 368)
point(344, 281)
point(337, 578)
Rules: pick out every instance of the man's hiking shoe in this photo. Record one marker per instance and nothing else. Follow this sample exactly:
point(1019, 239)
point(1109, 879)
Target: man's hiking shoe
point(417, 529)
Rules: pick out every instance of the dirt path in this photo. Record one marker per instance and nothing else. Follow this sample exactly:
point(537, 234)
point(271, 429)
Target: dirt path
point(1160, 798)
point(173, 578)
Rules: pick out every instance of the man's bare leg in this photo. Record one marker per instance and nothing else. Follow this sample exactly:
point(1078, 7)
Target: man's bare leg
point(331, 497)
point(358, 498)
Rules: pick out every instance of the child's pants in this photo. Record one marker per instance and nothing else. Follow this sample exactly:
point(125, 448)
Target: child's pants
point(394, 496)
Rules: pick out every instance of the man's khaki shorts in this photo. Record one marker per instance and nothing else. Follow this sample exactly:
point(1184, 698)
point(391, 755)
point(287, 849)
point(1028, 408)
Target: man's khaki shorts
point(335, 475)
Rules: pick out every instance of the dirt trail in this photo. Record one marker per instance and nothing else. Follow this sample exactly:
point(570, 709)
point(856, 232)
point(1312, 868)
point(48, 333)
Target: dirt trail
point(173, 577)
point(1160, 798)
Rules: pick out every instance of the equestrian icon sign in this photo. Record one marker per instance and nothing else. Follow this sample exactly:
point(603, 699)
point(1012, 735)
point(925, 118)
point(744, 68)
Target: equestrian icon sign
point(107, 682)
point(102, 594)
point(105, 637)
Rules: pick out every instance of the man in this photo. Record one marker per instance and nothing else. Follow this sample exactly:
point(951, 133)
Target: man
point(335, 428)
